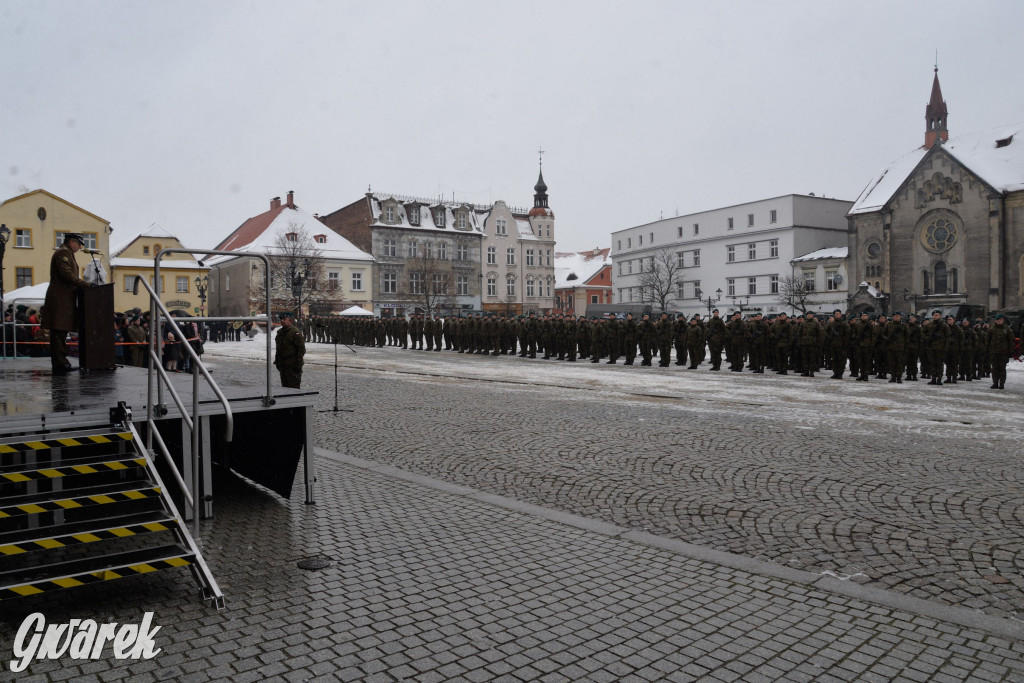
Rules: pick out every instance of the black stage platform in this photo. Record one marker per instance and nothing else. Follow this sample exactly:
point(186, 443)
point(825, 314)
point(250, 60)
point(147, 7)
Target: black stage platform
point(267, 443)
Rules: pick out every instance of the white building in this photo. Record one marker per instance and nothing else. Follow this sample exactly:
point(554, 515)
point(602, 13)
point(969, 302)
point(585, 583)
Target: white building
point(824, 276)
point(745, 250)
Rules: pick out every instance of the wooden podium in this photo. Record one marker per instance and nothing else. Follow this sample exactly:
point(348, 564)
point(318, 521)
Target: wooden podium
point(96, 328)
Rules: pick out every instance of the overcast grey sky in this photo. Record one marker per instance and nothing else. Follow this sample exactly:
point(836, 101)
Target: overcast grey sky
point(194, 114)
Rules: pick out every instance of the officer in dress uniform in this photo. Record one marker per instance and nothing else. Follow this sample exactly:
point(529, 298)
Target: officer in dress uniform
point(290, 349)
point(61, 295)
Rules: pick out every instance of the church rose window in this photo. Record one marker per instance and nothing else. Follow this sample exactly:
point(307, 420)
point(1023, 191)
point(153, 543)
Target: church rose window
point(874, 249)
point(940, 235)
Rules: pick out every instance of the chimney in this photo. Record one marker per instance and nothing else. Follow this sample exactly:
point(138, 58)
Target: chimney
point(275, 203)
point(291, 199)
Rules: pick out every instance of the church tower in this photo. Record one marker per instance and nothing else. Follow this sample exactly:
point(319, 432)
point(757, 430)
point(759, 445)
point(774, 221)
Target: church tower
point(542, 218)
point(935, 116)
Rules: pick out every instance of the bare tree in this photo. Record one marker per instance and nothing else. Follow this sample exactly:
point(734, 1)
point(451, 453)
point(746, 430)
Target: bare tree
point(430, 281)
point(297, 273)
point(658, 274)
point(794, 292)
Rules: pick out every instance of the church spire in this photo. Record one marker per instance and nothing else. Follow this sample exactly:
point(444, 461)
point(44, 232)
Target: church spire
point(935, 116)
point(540, 197)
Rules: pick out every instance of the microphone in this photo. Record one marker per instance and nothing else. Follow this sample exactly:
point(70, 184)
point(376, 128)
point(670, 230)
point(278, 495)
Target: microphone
point(93, 251)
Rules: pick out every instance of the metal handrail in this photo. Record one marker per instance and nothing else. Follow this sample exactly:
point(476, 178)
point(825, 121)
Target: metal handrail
point(156, 368)
point(268, 399)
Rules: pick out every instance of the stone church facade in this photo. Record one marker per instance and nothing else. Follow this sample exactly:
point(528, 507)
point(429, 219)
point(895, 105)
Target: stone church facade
point(944, 225)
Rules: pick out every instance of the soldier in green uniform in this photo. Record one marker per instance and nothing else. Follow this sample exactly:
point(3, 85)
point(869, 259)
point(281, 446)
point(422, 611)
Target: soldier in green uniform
point(664, 337)
point(613, 339)
point(646, 337)
point(967, 351)
point(629, 338)
point(695, 341)
point(956, 342)
point(61, 299)
point(913, 347)
point(895, 339)
point(290, 350)
point(735, 335)
point(999, 347)
point(757, 341)
point(838, 333)
point(862, 336)
point(810, 336)
point(679, 338)
point(716, 339)
point(935, 339)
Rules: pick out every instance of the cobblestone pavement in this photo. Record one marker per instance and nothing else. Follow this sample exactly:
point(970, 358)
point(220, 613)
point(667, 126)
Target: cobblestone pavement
point(908, 487)
point(430, 585)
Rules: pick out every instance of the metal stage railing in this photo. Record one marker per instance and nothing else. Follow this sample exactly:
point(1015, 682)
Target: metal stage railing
point(156, 371)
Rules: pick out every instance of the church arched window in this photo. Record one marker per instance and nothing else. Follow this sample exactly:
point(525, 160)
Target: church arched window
point(940, 277)
point(954, 280)
point(926, 281)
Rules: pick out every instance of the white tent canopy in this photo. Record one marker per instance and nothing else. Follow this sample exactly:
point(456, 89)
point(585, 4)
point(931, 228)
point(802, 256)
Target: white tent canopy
point(26, 295)
point(355, 310)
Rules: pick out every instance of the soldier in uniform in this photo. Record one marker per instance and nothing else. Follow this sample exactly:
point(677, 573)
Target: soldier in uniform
point(646, 337)
point(895, 338)
point(935, 339)
point(862, 336)
point(695, 341)
point(956, 342)
point(757, 336)
point(967, 351)
point(913, 347)
point(59, 309)
point(716, 339)
point(1000, 347)
point(679, 336)
point(735, 333)
point(613, 339)
point(664, 335)
point(629, 338)
point(290, 349)
point(839, 335)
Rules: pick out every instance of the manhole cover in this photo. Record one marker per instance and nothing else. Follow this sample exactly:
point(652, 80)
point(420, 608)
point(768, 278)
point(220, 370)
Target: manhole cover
point(314, 563)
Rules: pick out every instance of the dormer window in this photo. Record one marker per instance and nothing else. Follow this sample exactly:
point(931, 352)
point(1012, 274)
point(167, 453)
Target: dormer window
point(320, 239)
point(291, 236)
point(389, 213)
point(439, 218)
point(460, 220)
point(1005, 142)
point(501, 227)
point(414, 215)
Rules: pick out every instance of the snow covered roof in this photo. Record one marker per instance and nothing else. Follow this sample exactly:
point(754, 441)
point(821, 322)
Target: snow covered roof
point(167, 262)
point(583, 265)
point(475, 215)
point(156, 230)
point(996, 156)
point(260, 234)
point(827, 253)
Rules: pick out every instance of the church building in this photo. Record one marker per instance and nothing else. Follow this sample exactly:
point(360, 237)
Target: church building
point(944, 224)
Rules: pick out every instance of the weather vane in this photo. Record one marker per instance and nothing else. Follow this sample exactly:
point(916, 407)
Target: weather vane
point(540, 151)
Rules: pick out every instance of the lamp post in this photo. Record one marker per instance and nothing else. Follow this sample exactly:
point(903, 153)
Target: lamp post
point(5, 234)
point(709, 301)
point(742, 305)
point(913, 298)
point(298, 278)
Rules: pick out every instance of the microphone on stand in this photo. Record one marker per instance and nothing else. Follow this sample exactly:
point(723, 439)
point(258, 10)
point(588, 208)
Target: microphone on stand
point(93, 251)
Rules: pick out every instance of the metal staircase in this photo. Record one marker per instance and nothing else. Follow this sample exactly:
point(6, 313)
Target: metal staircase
point(88, 506)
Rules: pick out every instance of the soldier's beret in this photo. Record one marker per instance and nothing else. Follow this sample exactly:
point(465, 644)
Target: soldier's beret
point(936, 312)
point(287, 314)
point(21, 308)
point(999, 316)
point(837, 311)
point(950, 317)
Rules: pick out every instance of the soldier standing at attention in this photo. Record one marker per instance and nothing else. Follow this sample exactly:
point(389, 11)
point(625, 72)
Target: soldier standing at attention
point(645, 332)
point(935, 338)
point(290, 349)
point(758, 335)
point(895, 336)
point(695, 341)
point(734, 336)
point(716, 339)
point(1000, 346)
point(613, 339)
point(59, 309)
point(664, 340)
point(913, 347)
point(955, 343)
point(679, 335)
point(839, 334)
point(810, 337)
point(629, 337)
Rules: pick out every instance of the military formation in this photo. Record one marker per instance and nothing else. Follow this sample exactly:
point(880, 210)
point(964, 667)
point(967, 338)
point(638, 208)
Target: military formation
point(897, 348)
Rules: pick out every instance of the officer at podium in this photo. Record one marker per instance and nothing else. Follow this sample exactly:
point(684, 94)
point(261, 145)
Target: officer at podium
point(59, 308)
point(290, 347)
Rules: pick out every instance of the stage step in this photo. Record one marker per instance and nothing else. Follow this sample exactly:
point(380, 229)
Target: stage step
point(78, 508)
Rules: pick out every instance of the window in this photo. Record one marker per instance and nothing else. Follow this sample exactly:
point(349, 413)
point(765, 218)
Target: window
point(549, 230)
point(529, 257)
point(696, 257)
point(696, 289)
point(333, 280)
point(492, 255)
point(620, 296)
point(953, 283)
point(750, 220)
point(549, 257)
point(22, 238)
point(926, 279)
point(90, 239)
point(428, 250)
point(389, 283)
point(730, 287)
point(439, 218)
point(389, 213)
point(501, 227)
point(529, 288)
point(639, 240)
point(773, 248)
point(145, 251)
point(492, 287)
point(160, 289)
point(680, 231)
point(390, 248)
point(752, 251)
point(510, 256)
point(129, 283)
point(462, 285)
point(411, 249)
point(460, 221)
point(680, 259)
point(593, 298)
point(461, 252)
point(414, 215)
point(808, 280)
point(751, 285)
point(622, 267)
point(630, 263)
point(437, 284)
point(629, 242)
point(442, 251)
point(652, 238)
point(181, 284)
point(416, 283)
point(22, 277)
point(773, 216)
point(730, 222)
point(830, 280)
point(681, 290)
point(774, 284)
point(290, 236)
point(320, 239)
point(510, 286)
point(941, 281)
point(357, 282)
point(696, 229)
point(730, 253)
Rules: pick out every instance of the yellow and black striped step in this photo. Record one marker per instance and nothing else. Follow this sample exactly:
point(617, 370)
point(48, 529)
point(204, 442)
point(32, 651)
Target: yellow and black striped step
point(23, 473)
point(47, 538)
point(15, 584)
point(24, 445)
point(40, 503)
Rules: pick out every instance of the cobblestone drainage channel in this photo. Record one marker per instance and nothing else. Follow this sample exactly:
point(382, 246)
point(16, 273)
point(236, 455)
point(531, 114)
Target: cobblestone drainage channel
point(315, 562)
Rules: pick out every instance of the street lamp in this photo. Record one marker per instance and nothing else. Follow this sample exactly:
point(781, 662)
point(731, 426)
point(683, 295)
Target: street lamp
point(709, 301)
point(202, 284)
point(741, 305)
point(298, 279)
point(5, 234)
point(913, 298)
